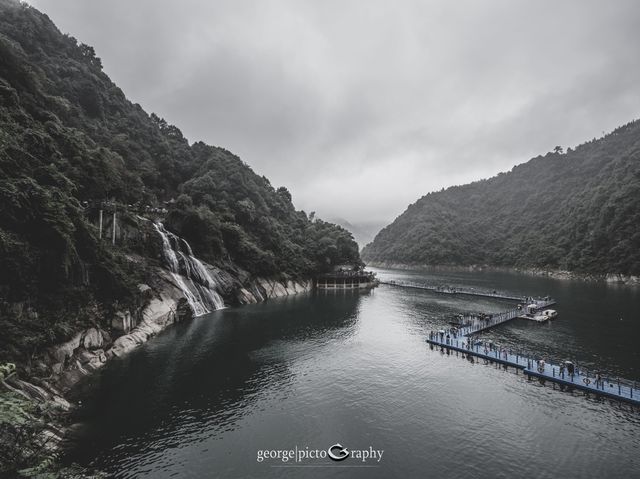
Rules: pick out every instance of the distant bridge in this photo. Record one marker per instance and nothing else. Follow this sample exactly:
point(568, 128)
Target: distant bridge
point(463, 291)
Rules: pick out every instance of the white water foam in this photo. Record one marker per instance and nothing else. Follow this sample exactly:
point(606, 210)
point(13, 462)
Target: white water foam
point(191, 276)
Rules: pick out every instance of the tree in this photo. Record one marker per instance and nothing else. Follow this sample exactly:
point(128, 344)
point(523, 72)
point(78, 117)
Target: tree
point(284, 193)
point(89, 54)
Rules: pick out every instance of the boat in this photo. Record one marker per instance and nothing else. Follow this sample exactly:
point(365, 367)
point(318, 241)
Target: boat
point(545, 315)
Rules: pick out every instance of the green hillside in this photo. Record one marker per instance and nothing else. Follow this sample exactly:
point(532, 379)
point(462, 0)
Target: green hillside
point(68, 135)
point(577, 211)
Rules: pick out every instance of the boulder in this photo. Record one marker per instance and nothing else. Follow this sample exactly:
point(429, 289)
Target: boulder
point(160, 310)
point(92, 339)
point(97, 361)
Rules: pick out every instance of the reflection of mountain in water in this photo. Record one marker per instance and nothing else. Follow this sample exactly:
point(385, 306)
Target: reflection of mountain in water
point(200, 378)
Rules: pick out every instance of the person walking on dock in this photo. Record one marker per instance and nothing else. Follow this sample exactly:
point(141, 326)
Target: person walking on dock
point(541, 366)
point(570, 369)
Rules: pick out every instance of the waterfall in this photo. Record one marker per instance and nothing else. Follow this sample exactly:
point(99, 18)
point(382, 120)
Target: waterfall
point(189, 273)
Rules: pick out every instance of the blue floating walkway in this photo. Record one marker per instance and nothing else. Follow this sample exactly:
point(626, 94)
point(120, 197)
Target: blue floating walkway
point(461, 340)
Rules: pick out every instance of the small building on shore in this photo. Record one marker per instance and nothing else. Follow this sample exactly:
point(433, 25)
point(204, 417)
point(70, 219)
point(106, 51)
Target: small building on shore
point(344, 278)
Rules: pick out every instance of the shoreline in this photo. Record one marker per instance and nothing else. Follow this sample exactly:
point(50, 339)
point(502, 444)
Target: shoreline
point(41, 395)
point(608, 278)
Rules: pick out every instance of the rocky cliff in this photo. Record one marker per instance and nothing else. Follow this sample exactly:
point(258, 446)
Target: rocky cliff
point(181, 287)
point(101, 204)
point(165, 304)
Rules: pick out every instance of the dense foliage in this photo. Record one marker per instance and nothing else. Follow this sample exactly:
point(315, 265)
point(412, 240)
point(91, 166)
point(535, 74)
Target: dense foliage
point(68, 135)
point(578, 211)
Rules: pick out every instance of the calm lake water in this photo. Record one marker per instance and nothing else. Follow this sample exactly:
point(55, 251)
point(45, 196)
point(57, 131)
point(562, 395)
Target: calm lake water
point(204, 397)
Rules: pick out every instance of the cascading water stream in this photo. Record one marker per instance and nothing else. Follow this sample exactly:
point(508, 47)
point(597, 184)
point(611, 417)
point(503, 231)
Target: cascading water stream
point(189, 273)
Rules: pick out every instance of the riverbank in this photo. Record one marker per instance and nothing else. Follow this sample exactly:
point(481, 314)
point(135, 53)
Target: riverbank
point(34, 411)
point(610, 278)
point(205, 396)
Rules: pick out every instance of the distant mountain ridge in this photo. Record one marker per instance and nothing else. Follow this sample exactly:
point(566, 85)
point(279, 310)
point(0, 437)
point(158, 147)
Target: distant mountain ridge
point(363, 231)
point(577, 211)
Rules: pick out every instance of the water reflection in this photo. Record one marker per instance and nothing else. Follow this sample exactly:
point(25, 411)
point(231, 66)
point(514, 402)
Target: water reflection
point(202, 398)
point(194, 381)
point(598, 324)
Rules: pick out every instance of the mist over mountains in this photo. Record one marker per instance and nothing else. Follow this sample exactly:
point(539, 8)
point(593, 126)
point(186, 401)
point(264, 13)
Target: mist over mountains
point(577, 210)
point(363, 231)
point(70, 140)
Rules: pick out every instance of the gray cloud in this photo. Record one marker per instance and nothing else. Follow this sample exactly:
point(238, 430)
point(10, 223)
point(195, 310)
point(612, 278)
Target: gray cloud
point(362, 107)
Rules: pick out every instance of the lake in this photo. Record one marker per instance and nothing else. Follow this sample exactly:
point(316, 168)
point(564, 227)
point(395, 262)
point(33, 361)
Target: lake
point(307, 372)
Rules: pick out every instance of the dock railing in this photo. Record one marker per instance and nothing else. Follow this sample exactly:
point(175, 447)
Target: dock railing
point(556, 370)
point(447, 289)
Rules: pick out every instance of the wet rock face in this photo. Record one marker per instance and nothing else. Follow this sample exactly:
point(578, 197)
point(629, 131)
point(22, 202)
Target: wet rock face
point(66, 364)
point(238, 287)
point(161, 303)
point(121, 322)
point(92, 339)
point(183, 311)
point(622, 279)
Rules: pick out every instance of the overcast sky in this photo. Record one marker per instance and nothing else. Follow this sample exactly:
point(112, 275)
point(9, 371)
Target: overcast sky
point(361, 107)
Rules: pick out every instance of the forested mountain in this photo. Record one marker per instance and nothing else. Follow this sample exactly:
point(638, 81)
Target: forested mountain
point(68, 135)
point(363, 231)
point(577, 211)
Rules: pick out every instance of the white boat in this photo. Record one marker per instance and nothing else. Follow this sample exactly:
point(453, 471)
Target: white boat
point(545, 315)
point(532, 308)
